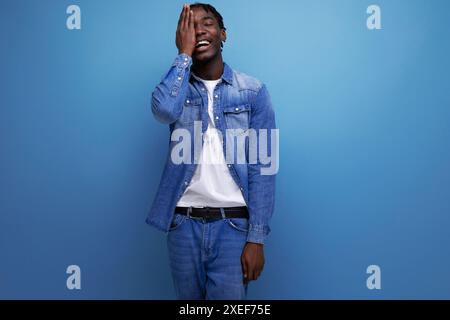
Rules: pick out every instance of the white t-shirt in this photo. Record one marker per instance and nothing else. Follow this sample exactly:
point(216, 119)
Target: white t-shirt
point(212, 184)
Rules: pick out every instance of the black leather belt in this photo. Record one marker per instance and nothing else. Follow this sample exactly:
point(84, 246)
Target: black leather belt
point(214, 213)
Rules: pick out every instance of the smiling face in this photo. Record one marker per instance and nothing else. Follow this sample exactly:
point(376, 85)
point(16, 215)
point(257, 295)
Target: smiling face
point(209, 35)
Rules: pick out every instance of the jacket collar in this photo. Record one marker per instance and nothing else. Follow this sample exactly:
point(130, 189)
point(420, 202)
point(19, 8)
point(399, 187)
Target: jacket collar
point(227, 74)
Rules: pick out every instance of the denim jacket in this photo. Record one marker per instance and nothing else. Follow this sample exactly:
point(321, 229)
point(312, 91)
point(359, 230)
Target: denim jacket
point(240, 102)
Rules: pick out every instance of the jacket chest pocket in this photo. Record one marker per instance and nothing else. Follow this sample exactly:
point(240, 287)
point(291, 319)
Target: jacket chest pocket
point(237, 117)
point(191, 110)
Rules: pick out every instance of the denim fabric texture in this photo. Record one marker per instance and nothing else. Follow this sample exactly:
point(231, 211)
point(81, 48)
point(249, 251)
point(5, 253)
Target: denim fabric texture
point(240, 102)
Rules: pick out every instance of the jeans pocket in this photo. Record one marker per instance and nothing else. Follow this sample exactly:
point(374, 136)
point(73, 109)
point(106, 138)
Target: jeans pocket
point(240, 224)
point(177, 221)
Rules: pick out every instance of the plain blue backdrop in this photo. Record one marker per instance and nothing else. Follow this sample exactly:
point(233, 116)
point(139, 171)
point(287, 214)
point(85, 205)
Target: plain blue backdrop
point(364, 118)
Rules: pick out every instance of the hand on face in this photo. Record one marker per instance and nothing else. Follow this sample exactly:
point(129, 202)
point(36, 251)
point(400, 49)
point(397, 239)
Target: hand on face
point(185, 36)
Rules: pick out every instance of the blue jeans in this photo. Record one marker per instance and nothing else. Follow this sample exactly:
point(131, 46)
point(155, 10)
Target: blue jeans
point(205, 257)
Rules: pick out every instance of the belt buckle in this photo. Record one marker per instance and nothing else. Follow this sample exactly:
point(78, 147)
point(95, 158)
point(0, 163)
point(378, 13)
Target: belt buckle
point(207, 216)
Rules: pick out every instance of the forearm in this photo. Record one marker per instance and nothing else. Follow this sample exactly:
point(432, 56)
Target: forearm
point(169, 95)
point(261, 175)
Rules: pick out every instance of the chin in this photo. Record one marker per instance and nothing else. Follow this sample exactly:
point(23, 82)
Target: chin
point(205, 56)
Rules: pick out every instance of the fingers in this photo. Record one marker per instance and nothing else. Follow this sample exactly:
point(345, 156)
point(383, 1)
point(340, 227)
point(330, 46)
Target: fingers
point(251, 274)
point(191, 19)
point(180, 19)
point(244, 267)
point(183, 17)
point(244, 270)
point(260, 269)
point(249, 271)
point(186, 17)
point(258, 273)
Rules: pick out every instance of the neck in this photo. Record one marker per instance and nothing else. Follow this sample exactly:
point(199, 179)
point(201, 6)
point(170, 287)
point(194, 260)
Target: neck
point(209, 70)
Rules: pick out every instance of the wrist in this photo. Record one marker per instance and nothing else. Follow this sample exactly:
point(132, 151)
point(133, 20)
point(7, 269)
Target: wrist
point(186, 52)
point(255, 244)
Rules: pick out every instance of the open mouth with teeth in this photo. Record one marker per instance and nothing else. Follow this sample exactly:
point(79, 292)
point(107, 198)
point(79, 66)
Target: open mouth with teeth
point(202, 45)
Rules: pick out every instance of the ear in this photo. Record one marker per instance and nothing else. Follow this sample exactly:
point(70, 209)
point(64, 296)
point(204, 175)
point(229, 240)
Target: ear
point(223, 35)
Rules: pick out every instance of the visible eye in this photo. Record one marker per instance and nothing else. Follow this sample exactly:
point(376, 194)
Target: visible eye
point(208, 24)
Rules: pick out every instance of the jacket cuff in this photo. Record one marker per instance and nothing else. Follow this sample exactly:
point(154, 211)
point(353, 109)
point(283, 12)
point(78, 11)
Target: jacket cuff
point(257, 233)
point(182, 63)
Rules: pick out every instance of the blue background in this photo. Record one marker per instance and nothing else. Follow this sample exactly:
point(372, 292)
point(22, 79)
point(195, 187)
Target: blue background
point(365, 146)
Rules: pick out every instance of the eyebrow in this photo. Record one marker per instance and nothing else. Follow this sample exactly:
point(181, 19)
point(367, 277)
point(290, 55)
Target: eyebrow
point(207, 18)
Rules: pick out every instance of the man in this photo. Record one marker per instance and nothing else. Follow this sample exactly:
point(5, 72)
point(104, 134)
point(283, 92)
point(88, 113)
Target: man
point(216, 212)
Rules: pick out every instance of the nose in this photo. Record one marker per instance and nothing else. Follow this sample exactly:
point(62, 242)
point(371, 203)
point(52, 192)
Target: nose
point(199, 31)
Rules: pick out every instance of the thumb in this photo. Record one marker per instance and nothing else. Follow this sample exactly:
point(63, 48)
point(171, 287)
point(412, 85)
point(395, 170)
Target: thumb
point(244, 268)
